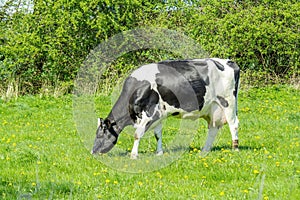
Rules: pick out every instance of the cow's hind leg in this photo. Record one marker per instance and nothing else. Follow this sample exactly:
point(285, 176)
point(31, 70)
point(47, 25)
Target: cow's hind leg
point(212, 132)
point(233, 122)
point(158, 136)
point(215, 122)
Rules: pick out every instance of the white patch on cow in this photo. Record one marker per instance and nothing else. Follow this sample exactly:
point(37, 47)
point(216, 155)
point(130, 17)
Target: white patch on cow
point(146, 72)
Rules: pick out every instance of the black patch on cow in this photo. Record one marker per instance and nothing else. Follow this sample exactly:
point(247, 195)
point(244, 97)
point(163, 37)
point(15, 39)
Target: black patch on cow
point(223, 101)
point(219, 65)
point(175, 113)
point(143, 98)
point(236, 70)
point(182, 83)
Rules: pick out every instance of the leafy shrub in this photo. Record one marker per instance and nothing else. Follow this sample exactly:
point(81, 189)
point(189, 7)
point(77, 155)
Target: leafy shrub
point(41, 49)
point(261, 37)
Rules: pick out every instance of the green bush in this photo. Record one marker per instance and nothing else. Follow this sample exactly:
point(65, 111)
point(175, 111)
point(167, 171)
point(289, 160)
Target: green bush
point(262, 37)
point(42, 48)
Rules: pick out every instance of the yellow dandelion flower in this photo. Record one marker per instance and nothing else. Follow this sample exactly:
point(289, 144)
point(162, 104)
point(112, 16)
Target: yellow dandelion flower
point(115, 182)
point(246, 191)
point(33, 184)
point(277, 164)
point(255, 171)
point(222, 193)
point(107, 181)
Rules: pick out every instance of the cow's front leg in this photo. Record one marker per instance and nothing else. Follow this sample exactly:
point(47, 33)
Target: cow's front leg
point(158, 136)
point(137, 137)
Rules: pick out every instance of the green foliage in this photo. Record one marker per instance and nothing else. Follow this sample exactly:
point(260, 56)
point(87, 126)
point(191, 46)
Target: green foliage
point(42, 157)
point(42, 48)
point(259, 35)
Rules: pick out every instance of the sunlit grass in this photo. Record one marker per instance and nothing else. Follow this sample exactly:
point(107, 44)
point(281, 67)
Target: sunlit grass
point(42, 157)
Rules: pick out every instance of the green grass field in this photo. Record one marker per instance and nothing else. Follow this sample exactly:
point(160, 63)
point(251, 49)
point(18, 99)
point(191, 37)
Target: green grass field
point(42, 156)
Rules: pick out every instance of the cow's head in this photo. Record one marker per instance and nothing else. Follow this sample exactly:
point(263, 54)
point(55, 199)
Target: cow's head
point(106, 137)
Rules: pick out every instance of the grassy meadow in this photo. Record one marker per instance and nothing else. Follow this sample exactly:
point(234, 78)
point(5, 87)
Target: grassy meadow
point(42, 156)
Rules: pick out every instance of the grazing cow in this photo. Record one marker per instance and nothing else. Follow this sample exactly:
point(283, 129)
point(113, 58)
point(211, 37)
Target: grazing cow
point(198, 88)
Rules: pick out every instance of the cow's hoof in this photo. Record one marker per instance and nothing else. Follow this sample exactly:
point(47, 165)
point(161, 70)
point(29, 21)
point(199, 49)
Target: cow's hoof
point(160, 153)
point(133, 156)
point(204, 152)
point(205, 149)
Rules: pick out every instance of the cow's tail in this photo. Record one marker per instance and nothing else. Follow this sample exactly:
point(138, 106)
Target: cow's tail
point(237, 84)
point(236, 71)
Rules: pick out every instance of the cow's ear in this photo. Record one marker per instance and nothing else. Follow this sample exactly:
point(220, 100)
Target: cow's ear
point(100, 122)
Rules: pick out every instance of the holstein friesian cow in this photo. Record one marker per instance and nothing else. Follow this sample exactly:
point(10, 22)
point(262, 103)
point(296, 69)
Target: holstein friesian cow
point(198, 88)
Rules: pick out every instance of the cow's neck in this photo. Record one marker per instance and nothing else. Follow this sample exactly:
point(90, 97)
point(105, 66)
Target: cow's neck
point(119, 119)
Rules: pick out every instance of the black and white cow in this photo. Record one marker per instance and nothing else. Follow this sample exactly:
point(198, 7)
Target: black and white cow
point(198, 88)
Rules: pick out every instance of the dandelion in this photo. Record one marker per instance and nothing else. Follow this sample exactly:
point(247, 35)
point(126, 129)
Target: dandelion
point(277, 164)
point(255, 171)
point(159, 175)
point(246, 191)
point(33, 184)
point(222, 193)
point(140, 183)
point(78, 183)
point(205, 164)
point(107, 181)
point(115, 182)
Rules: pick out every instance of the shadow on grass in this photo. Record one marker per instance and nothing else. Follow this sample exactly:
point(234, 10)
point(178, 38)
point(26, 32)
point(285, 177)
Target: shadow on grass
point(228, 147)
